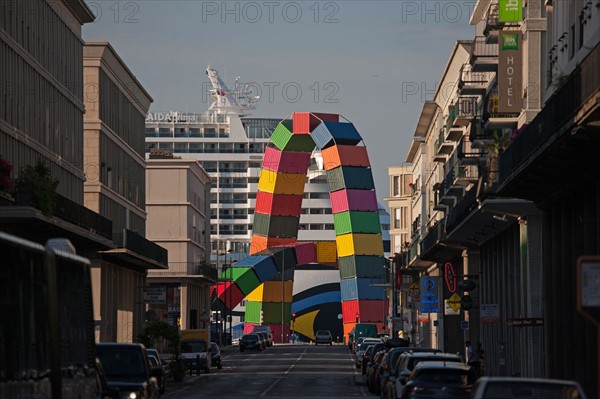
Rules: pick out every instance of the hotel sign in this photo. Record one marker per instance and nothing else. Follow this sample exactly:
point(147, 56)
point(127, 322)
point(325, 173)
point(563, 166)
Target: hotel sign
point(510, 10)
point(510, 73)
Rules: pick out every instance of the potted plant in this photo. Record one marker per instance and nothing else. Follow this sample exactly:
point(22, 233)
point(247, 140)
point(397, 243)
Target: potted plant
point(495, 148)
point(36, 187)
point(6, 183)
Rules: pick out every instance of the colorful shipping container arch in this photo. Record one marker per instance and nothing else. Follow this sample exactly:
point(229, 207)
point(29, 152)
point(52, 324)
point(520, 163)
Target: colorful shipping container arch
point(265, 278)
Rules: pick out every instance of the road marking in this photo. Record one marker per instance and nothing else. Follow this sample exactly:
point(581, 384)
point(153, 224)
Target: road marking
point(296, 361)
point(266, 391)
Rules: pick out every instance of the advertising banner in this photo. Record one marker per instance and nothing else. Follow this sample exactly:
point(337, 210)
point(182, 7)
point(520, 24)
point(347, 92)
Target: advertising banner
point(510, 10)
point(510, 73)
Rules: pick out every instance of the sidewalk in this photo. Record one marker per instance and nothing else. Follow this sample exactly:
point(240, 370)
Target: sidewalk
point(173, 386)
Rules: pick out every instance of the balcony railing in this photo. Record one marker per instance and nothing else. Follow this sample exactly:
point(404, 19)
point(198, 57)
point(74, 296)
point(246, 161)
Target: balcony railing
point(83, 217)
point(480, 48)
point(186, 269)
point(433, 236)
point(582, 83)
point(140, 245)
point(452, 114)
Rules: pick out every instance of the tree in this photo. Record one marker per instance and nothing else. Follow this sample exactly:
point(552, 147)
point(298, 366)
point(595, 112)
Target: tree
point(158, 330)
point(37, 183)
point(495, 148)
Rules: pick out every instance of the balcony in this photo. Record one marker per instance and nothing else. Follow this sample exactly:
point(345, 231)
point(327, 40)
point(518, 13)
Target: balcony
point(137, 251)
point(492, 24)
point(484, 56)
point(434, 248)
point(442, 148)
point(186, 269)
point(466, 154)
point(474, 83)
point(467, 110)
point(86, 229)
point(565, 132)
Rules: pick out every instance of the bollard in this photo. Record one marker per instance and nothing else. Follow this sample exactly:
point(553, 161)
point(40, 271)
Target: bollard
point(197, 364)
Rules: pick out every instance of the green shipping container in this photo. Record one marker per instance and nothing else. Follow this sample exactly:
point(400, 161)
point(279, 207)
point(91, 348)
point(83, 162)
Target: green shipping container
point(356, 222)
point(244, 277)
point(362, 266)
point(275, 226)
point(253, 310)
point(350, 177)
point(285, 140)
point(272, 312)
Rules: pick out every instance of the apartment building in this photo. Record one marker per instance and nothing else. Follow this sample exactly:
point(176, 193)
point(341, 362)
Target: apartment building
point(178, 206)
point(116, 106)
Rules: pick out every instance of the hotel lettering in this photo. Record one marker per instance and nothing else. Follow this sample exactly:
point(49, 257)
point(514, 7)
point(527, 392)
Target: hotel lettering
point(510, 74)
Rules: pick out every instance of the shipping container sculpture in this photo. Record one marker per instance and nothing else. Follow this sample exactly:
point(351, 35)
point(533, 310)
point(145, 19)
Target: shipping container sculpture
point(265, 278)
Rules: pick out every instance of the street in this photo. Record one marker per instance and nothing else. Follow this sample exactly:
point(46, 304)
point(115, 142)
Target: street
point(283, 371)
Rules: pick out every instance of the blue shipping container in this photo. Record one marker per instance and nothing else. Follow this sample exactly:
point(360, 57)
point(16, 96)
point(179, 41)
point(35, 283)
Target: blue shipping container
point(361, 288)
point(264, 266)
point(330, 133)
point(350, 177)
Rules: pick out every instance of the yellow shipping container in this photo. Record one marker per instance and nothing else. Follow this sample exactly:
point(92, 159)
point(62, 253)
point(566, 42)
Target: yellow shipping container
point(281, 183)
point(359, 244)
point(272, 291)
point(326, 251)
point(257, 294)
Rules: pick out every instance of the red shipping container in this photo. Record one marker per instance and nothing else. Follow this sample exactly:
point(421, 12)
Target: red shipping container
point(249, 327)
point(368, 311)
point(305, 122)
point(286, 161)
point(278, 204)
point(276, 331)
point(230, 294)
point(260, 243)
point(353, 200)
point(306, 252)
point(345, 155)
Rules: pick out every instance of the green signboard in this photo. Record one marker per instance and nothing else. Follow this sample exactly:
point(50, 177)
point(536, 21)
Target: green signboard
point(510, 10)
point(510, 41)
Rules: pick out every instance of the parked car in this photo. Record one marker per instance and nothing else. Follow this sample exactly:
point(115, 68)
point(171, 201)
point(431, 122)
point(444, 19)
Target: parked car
point(127, 368)
point(215, 355)
point(163, 368)
point(438, 380)
point(389, 364)
point(373, 370)
point(263, 339)
point(368, 356)
point(266, 330)
point(362, 348)
point(157, 370)
point(250, 341)
point(511, 387)
point(406, 363)
point(102, 389)
point(323, 337)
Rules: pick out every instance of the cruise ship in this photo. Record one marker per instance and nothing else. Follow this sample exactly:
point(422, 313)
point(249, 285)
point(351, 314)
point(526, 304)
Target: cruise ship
point(230, 144)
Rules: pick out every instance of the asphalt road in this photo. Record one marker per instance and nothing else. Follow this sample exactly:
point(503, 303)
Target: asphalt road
point(283, 371)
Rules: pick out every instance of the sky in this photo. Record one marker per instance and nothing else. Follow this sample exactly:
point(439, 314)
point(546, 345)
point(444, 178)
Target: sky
point(373, 62)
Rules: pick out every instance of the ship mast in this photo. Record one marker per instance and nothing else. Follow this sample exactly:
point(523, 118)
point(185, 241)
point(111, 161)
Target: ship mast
point(236, 102)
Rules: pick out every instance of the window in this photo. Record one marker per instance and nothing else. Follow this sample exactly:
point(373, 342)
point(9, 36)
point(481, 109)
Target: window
point(395, 186)
point(329, 226)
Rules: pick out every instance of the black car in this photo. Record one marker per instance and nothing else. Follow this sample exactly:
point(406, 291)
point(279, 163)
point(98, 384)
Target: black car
point(127, 368)
point(215, 355)
point(250, 341)
point(102, 389)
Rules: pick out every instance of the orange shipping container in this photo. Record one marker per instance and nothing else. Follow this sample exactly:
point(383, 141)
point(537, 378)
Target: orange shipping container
point(272, 291)
point(326, 252)
point(345, 155)
point(260, 243)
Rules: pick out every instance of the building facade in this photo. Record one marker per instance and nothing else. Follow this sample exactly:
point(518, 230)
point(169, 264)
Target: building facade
point(116, 106)
point(178, 206)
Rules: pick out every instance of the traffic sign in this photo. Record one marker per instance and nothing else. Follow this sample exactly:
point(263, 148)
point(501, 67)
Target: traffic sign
point(466, 302)
point(454, 302)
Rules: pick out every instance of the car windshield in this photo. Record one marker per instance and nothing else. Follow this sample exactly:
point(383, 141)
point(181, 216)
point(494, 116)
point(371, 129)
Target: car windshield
point(539, 390)
point(412, 362)
point(122, 361)
point(153, 361)
point(250, 338)
point(324, 333)
point(193, 346)
point(440, 376)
